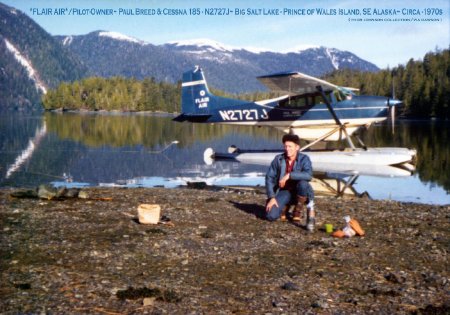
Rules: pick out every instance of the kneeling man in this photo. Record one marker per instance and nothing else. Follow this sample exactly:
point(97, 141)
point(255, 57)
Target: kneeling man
point(287, 183)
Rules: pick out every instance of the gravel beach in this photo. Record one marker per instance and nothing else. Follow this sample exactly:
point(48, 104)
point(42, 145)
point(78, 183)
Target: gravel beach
point(215, 255)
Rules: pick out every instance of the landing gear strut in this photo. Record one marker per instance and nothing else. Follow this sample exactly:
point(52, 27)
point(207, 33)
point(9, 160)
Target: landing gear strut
point(341, 128)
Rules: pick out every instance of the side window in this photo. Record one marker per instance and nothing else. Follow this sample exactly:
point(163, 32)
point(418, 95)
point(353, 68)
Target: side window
point(295, 101)
point(304, 100)
point(298, 102)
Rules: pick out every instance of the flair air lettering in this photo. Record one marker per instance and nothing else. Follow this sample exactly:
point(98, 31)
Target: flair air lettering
point(202, 102)
point(245, 114)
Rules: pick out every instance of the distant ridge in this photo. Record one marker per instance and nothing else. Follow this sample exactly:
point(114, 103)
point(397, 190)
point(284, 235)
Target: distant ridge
point(229, 68)
point(32, 61)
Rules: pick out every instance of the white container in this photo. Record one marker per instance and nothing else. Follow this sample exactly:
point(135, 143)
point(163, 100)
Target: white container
point(149, 213)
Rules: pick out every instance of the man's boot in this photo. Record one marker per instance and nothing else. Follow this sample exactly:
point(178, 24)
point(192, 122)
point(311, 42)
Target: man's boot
point(298, 211)
point(283, 217)
point(310, 217)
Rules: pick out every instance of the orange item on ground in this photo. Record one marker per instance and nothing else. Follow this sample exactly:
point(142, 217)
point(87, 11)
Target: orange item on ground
point(338, 233)
point(356, 227)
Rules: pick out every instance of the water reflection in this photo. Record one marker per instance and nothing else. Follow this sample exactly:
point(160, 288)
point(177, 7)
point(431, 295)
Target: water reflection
point(431, 141)
point(139, 150)
point(26, 154)
point(149, 131)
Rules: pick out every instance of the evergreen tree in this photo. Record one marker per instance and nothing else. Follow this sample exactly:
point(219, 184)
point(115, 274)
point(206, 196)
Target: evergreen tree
point(423, 86)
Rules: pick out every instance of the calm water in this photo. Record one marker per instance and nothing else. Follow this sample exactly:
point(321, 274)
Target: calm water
point(138, 151)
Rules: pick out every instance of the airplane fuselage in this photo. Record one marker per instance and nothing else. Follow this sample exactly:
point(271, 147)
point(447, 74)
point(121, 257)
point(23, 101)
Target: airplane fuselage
point(306, 114)
point(359, 107)
point(309, 121)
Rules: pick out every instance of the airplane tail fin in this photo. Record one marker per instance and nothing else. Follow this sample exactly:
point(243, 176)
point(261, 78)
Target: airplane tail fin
point(196, 99)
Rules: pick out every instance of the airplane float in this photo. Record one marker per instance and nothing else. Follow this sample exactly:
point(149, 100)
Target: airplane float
point(314, 109)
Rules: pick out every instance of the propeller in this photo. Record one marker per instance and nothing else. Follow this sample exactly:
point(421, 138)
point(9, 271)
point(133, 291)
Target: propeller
point(392, 102)
point(393, 118)
point(391, 107)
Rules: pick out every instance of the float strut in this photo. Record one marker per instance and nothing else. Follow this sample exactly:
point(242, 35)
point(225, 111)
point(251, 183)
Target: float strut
point(335, 117)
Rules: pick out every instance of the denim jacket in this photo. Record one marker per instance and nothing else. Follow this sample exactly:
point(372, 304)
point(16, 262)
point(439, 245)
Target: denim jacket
point(302, 171)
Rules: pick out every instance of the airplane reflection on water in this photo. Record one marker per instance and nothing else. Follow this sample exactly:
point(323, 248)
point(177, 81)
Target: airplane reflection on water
point(323, 184)
point(85, 147)
point(328, 179)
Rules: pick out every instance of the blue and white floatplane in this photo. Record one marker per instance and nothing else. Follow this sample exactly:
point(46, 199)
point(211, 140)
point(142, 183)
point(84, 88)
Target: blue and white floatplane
point(314, 109)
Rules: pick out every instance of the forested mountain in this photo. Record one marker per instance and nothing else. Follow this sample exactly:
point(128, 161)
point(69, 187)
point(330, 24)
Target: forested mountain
point(233, 70)
point(422, 85)
point(31, 61)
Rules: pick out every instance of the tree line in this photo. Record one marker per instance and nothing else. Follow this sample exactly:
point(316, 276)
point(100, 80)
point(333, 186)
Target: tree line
point(423, 86)
point(122, 94)
point(116, 93)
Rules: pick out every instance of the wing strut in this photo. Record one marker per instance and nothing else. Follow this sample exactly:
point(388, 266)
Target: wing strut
point(342, 127)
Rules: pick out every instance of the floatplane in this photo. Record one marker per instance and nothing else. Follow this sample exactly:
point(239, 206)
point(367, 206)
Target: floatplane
point(314, 109)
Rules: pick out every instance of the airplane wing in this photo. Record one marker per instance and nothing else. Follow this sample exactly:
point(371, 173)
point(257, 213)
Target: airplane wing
point(294, 83)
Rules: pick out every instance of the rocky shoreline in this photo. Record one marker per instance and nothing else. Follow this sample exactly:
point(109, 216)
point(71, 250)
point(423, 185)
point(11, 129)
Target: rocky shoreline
point(215, 255)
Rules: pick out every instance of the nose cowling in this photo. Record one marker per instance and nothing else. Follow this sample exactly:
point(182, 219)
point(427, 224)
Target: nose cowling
point(393, 102)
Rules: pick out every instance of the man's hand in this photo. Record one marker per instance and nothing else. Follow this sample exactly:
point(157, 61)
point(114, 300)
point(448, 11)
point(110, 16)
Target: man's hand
point(283, 180)
point(272, 202)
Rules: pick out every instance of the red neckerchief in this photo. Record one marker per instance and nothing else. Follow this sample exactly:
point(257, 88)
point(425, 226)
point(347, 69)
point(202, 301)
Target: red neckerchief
point(290, 185)
point(290, 167)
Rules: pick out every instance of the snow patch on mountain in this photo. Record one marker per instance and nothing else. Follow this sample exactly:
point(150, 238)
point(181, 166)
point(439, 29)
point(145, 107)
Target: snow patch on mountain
point(255, 50)
point(68, 40)
point(207, 49)
point(120, 36)
point(334, 60)
point(214, 46)
point(32, 74)
point(203, 42)
point(300, 48)
point(213, 56)
point(202, 46)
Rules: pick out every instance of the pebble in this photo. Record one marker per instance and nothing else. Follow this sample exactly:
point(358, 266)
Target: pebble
point(290, 286)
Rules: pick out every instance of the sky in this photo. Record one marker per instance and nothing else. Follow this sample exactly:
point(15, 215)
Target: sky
point(386, 33)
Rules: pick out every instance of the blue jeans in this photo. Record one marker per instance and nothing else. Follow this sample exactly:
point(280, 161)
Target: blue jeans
point(289, 197)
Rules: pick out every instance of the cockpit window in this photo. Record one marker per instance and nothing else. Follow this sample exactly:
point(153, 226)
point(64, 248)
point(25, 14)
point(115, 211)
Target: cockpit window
point(304, 100)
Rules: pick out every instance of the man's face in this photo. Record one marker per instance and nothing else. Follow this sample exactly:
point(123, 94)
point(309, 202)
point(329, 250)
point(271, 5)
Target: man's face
point(291, 149)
